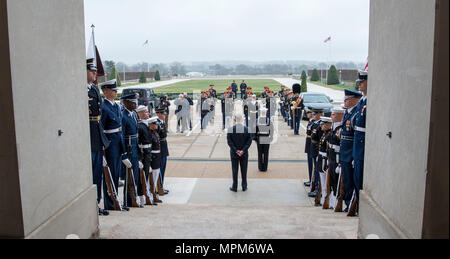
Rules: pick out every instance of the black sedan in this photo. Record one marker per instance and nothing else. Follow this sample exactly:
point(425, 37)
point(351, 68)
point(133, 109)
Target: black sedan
point(317, 101)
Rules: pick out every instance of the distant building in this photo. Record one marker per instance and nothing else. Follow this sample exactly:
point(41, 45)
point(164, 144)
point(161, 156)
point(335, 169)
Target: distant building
point(195, 74)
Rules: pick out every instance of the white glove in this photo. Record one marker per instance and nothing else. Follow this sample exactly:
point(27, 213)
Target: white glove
point(141, 165)
point(338, 170)
point(127, 163)
point(105, 164)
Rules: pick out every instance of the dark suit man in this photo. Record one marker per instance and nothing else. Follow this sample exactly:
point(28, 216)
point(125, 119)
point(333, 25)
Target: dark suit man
point(239, 141)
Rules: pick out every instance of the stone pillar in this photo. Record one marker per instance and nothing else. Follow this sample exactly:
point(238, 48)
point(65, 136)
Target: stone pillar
point(46, 179)
point(403, 81)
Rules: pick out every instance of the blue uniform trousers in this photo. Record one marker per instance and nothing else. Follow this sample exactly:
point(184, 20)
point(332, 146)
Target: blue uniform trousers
point(297, 126)
point(310, 166)
point(97, 171)
point(316, 173)
point(134, 159)
point(358, 177)
point(349, 184)
point(114, 160)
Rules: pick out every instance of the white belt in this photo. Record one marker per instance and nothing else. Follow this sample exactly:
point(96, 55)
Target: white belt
point(360, 129)
point(323, 154)
point(336, 148)
point(253, 112)
point(113, 131)
point(145, 146)
point(156, 151)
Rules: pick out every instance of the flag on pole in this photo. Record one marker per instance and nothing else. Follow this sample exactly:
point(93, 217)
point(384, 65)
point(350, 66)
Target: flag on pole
point(145, 43)
point(92, 53)
point(367, 66)
point(327, 39)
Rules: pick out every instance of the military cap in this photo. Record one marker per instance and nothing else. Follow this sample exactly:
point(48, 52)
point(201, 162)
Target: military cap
point(352, 94)
point(129, 97)
point(338, 110)
point(297, 88)
point(112, 85)
point(90, 64)
point(141, 108)
point(326, 120)
point(316, 111)
point(153, 120)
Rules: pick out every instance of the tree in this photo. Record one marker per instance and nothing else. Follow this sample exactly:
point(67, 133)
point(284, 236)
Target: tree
point(157, 76)
point(333, 76)
point(113, 73)
point(109, 64)
point(304, 84)
point(315, 76)
point(143, 78)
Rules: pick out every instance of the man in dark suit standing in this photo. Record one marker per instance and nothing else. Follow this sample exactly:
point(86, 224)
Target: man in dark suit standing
point(239, 140)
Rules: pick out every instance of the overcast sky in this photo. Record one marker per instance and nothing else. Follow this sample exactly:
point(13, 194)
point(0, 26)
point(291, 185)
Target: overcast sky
point(214, 30)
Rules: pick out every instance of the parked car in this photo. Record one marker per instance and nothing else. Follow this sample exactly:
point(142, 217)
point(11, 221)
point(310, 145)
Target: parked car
point(317, 101)
point(146, 97)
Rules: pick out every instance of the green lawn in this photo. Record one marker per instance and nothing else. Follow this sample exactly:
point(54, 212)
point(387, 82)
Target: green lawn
point(220, 85)
point(347, 85)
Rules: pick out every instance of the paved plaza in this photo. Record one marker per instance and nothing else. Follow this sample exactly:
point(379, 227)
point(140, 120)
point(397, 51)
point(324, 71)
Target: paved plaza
point(201, 206)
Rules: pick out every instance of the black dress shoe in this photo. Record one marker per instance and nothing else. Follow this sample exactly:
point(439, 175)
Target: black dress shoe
point(159, 201)
point(125, 209)
point(232, 189)
point(103, 212)
point(307, 184)
point(346, 210)
point(244, 189)
point(154, 204)
point(312, 194)
point(166, 191)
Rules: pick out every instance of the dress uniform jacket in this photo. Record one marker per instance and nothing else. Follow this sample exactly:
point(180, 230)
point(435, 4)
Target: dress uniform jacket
point(145, 144)
point(323, 155)
point(360, 129)
point(308, 136)
point(347, 136)
point(162, 132)
point(316, 136)
point(98, 138)
point(156, 151)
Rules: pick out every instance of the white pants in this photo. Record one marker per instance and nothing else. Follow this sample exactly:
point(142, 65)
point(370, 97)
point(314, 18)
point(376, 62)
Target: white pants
point(323, 183)
point(155, 174)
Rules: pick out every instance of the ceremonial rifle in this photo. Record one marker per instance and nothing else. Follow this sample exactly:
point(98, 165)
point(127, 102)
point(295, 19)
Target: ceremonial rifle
point(131, 185)
point(353, 206)
point(145, 188)
point(111, 189)
point(340, 198)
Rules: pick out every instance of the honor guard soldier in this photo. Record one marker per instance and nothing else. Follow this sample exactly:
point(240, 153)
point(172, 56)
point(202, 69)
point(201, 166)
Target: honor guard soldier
point(222, 102)
point(322, 161)
point(270, 105)
point(234, 89)
point(308, 146)
point(316, 134)
point(244, 89)
point(204, 110)
point(111, 120)
point(297, 108)
point(145, 155)
point(98, 139)
point(162, 131)
point(334, 142)
point(213, 93)
point(281, 95)
point(263, 138)
point(290, 109)
point(131, 137)
point(286, 107)
point(156, 157)
point(346, 148)
point(359, 127)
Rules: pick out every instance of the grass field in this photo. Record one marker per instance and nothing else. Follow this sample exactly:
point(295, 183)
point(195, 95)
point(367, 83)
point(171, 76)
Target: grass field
point(347, 85)
point(219, 85)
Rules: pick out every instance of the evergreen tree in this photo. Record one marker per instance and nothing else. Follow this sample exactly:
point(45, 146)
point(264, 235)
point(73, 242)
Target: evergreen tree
point(333, 76)
point(157, 76)
point(143, 78)
point(113, 73)
point(304, 84)
point(119, 83)
point(315, 76)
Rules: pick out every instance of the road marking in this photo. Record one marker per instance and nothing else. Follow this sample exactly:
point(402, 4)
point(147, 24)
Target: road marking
point(193, 129)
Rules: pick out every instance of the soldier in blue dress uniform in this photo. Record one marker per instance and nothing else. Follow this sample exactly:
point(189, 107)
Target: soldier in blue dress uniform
point(346, 148)
point(359, 127)
point(308, 147)
point(98, 139)
point(316, 135)
point(131, 137)
point(111, 121)
point(162, 131)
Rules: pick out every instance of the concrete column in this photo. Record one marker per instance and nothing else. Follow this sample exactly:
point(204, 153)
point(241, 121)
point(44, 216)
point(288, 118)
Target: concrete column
point(46, 179)
point(402, 80)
